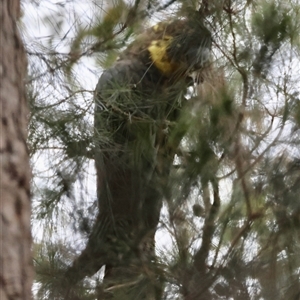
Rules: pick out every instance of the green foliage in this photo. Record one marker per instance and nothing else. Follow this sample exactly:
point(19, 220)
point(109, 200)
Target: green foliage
point(231, 208)
point(272, 25)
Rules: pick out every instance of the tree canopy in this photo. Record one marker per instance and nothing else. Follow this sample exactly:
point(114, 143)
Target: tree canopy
point(229, 226)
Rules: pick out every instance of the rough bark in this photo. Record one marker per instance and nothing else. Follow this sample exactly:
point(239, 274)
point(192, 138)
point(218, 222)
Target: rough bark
point(15, 239)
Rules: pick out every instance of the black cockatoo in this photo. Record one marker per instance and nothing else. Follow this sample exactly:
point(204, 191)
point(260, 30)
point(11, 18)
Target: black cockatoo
point(137, 103)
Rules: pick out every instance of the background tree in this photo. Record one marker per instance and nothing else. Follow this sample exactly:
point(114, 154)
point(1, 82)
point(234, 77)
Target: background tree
point(15, 239)
point(231, 207)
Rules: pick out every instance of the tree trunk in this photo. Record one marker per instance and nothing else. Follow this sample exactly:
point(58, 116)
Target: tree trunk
point(16, 272)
